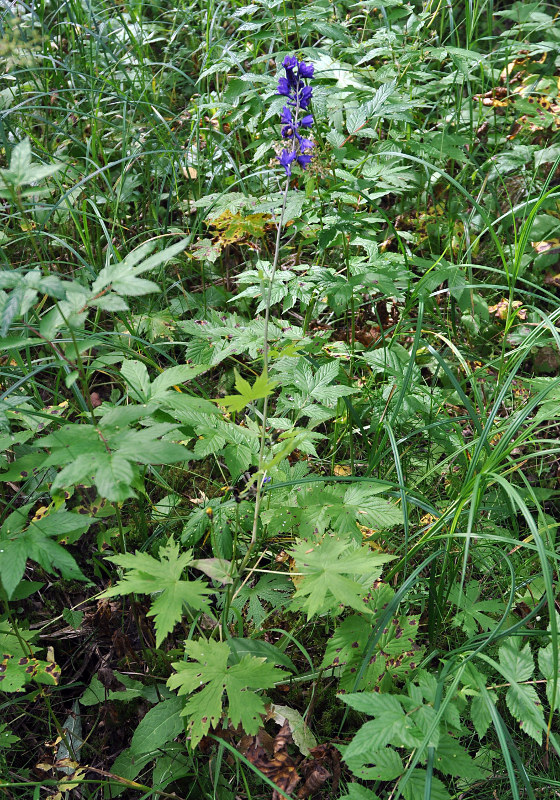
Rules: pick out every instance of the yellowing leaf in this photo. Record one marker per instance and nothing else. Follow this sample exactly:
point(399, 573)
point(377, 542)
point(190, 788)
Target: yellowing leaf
point(342, 469)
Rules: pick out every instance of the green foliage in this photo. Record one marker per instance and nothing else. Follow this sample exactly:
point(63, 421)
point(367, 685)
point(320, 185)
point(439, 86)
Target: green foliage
point(335, 574)
point(308, 427)
point(262, 387)
point(209, 669)
point(147, 575)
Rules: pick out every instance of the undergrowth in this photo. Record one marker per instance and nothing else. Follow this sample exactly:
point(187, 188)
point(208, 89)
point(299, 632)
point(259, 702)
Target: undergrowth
point(279, 416)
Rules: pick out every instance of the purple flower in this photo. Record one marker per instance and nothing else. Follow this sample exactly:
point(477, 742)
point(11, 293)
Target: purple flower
point(284, 87)
point(305, 70)
point(298, 94)
point(305, 144)
point(291, 62)
point(285, 159)
point(303, 160)
point(305, 97)
point(286, 116)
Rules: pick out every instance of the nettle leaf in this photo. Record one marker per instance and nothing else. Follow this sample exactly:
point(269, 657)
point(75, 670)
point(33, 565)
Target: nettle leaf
point(20, 541)
point(335, 573)
point(207, 676)
point(147, 575)
point(107, 455)
point(522, 700)
point(262, 387)
point(546, 666)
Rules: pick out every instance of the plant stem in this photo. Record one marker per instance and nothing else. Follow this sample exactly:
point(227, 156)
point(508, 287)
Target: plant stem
point(258, 498)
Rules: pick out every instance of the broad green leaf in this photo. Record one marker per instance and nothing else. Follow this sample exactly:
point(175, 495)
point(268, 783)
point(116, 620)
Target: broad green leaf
point(480, 716)
point(147, 575)
point(357, 792)
point(174, 376)
point(219, 569)
point(517, 662)
point(114, 478)
point(452, 759)
point(16, 671)
point(374, 765)
point(127, 765)
point(260, 649)
point(525, 706)
point(137, 379)
point(207, 676)
point(414, 787)
point(335, 574)
point(262, 387)
point(161, 725)
point(13, 558)
point(546, 666)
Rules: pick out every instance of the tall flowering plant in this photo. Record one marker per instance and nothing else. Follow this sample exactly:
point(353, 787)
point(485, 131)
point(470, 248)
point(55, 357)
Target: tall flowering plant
point(294, 87)
point(295, 119)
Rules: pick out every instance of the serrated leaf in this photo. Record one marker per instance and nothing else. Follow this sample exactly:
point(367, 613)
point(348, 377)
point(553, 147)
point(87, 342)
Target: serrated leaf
point(480, 715)
point(260, 649)
point(546, 666)
point(517, 662)
point(161, 725)
point(271, 589)
point(329, 569)
point(369, 509)
point(13, 558)
point(147, 575)
point(525, 706)
point(207, 676)
point(16, 671)
point(383, 764)
point(414, 787)
point(452, 759)
point(114, 478)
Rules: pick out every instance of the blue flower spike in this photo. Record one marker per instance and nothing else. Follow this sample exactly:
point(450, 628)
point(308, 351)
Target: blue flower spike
point(298, 95)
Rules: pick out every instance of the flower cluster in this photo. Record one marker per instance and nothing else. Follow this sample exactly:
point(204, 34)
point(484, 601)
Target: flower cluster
point(293, 87)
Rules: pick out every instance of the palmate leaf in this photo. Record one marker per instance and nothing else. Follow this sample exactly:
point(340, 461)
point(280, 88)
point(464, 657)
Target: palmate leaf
point(209, 669)
point(335, 573)
point(147, 575)
point(345, 508)
point(262, 387)
point(271, 589)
